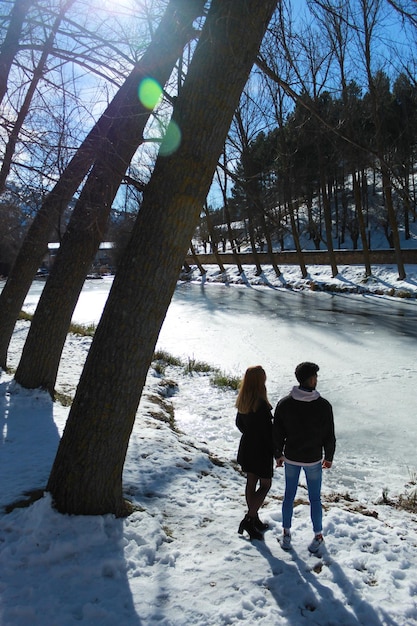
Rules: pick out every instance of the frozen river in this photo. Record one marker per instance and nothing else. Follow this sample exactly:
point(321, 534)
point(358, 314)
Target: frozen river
point(366, 348)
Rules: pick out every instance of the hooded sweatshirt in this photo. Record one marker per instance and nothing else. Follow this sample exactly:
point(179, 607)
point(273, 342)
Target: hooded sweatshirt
point(304, 428)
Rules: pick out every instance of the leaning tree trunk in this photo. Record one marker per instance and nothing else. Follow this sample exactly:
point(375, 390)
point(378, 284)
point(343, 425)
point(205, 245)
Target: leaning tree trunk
point(86, 477)
point(40, 358)
point(35, 244)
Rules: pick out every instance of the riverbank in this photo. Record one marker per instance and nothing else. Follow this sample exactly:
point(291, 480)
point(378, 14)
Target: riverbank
point(350, 279)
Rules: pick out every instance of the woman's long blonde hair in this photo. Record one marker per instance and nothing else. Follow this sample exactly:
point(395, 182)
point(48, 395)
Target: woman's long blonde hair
point(252, 390)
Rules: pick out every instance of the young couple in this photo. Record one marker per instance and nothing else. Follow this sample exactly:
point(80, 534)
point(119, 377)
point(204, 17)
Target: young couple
point(299, 436)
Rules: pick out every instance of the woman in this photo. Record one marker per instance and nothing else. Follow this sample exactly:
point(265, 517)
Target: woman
point(255, 454)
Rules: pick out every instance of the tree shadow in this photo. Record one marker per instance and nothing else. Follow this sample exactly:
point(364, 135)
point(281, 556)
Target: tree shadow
point(339, 312)
point(29, 440)
point(58, 568)
point(64, 569)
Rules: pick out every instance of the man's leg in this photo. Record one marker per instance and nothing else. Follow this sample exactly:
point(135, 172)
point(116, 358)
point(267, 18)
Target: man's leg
point(313, 475)
point(292, 473)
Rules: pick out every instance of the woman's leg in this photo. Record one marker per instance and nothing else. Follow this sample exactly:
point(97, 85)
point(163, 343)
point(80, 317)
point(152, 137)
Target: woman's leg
point(313, 475)
point(256, 496)
point(292, 473)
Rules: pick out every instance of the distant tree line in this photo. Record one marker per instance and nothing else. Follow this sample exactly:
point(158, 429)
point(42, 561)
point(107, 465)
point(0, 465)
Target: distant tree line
point(329, 161)
point(323, 142)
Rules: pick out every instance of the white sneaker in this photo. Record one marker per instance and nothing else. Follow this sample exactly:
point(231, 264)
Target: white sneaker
point(286, 541)
point(316, 544)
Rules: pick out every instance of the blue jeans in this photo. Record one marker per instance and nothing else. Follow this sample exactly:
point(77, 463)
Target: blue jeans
point(313, 475)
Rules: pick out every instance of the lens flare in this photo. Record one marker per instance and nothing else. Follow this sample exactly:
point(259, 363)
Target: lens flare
point(150, 93)
point(171, 140)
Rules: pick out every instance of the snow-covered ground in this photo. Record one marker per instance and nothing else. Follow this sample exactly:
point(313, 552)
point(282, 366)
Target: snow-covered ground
point(179, 559)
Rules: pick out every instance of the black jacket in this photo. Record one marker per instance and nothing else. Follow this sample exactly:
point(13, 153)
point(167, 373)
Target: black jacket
point(304, 427)
point(256, 450)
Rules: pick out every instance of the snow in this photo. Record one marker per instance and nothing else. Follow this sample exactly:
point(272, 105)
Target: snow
point(178, 559)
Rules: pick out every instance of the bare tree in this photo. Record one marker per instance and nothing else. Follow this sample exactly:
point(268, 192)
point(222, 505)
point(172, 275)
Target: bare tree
point(406, 9)
point(222, 182)
point(248, 183)
point(11, 41)
point(213, 238)
point(40, 358)
point(282, 102)
point(334, 18)
point(369, 10)
point(125, 101)
point(37, 76)
point(86, 475)
point(58, 46)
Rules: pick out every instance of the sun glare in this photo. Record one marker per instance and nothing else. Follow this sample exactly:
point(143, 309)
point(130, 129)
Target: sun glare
point(171, 140)
point(150, 93)
point(126, 8)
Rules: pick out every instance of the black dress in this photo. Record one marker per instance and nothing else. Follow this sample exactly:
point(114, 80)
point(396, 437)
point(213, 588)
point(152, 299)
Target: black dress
point(255, 454)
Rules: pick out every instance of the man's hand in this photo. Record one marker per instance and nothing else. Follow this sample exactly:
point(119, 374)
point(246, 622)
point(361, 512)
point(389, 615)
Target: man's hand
point(326, 464)
point(280, 461)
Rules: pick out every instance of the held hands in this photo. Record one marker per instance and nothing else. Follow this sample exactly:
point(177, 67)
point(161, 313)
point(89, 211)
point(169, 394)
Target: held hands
point(326, 464)
point(280, 461)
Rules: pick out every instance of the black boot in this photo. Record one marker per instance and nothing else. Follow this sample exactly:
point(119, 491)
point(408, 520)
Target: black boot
point(259, 525)
point(248, 524)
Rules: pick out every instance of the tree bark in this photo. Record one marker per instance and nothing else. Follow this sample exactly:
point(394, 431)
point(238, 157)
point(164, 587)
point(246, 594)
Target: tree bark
point(42, 351)
point(86, 477)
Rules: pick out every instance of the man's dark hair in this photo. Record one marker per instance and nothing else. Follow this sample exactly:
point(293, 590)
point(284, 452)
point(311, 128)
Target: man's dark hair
point(305, 370)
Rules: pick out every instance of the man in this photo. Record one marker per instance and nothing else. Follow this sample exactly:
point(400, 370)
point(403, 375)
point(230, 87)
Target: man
point(304, 438)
